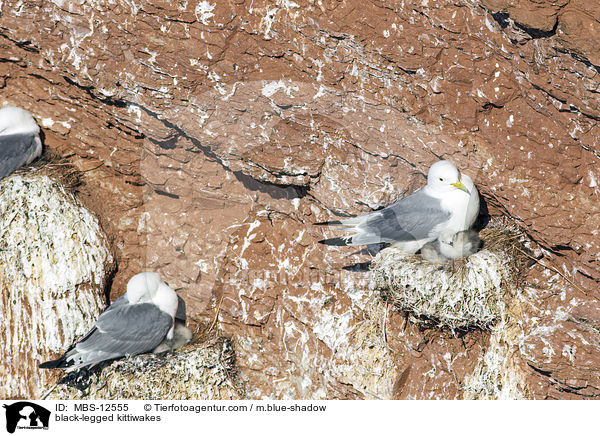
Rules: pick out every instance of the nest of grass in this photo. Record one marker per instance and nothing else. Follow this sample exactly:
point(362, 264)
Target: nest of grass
point(196, 371)
point(471, 293)
point(55, 167)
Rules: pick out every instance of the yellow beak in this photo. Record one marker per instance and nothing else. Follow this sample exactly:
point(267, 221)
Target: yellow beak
point(458, 184)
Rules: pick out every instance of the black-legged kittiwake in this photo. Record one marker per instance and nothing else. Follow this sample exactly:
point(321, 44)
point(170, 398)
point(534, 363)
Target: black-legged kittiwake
point(181, 334)
point(20, 141)
point(448, 204)
point(136, 323)
point(464, 243)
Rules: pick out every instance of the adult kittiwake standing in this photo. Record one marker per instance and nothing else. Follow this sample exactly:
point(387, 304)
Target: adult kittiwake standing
point(137, 322)
point(20, 140)
point(448, 204)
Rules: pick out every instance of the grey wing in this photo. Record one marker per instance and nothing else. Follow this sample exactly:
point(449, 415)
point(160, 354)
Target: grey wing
point(15, 150)
point(412, 218)
point(127, 330)
point(180, 315)
point(121, 301)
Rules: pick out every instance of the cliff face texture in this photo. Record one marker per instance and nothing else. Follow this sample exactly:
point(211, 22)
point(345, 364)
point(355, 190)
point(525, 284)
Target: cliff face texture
point(211, 135)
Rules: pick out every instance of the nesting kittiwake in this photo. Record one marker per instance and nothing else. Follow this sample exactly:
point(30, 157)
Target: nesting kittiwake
point(20, 142)
point(448, 204)
point(181, 334)
point(463, 244)
point(137, 322)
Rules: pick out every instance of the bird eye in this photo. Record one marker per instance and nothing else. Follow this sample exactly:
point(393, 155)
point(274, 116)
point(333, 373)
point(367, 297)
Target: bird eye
point(441, 180)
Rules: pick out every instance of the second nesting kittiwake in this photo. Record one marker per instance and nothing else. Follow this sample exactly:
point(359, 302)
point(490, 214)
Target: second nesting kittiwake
point(20, 140)
point(137, 322)
point(448, 204)
point(181, 334)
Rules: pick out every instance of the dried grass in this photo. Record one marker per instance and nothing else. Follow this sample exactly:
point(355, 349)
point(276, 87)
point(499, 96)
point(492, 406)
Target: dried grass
point(470, 293)
point(55, 167)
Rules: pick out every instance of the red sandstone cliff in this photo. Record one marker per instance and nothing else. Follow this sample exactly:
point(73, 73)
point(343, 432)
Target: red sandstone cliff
point(212, 134)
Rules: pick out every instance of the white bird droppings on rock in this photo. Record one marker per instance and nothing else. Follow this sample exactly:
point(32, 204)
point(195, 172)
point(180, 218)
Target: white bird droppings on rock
point(54, 260)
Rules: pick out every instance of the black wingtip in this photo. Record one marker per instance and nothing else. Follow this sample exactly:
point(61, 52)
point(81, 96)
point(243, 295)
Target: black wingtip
point(338, 242)
point(328, 223)
point(51, 364)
